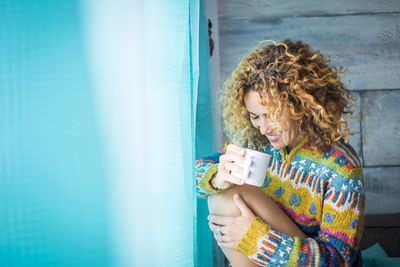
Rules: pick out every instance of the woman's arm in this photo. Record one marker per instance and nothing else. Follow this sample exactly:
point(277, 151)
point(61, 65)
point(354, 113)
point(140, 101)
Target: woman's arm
point(205, 169)
point(273, 239)
point(238, 216)
point(259, 203)
point(214, 173)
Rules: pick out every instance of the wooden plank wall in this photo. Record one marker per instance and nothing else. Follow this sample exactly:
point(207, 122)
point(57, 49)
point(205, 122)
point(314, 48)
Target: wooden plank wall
point(361, 35)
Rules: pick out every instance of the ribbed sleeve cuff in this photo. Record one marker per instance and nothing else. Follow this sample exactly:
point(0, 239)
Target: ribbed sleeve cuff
point(205, 182)
point(248, 244)
point(294, 253)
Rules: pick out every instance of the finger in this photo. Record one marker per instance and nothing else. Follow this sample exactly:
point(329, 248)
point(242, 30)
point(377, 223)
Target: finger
point(218, 238)
point(211, 226)
point(236, 149)
point(233, 157)
point(228, 176)
point(223, 229)
point(233, 167)
point(226, 239)
point(214, 227)
point(232, 179)
point(241, 205)
point(221, 220)
point(221, 167)
point(227, 245)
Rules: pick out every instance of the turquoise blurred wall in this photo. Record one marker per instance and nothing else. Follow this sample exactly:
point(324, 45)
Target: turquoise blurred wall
point(53, 200)
point(97, 132)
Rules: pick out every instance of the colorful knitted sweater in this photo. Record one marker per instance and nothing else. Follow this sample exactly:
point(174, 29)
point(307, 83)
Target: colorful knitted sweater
point(322, 192)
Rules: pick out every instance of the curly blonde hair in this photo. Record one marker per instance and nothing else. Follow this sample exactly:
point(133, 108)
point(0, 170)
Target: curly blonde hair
point(290, 77)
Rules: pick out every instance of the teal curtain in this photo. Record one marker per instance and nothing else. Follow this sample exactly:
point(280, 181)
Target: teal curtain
point(97, 103)
point(204, 138)
point(53, 193)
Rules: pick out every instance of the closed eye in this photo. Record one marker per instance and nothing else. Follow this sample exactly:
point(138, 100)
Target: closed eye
point(254, 117)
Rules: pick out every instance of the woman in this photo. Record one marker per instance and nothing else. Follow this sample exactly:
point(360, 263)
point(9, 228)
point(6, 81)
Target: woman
point(285, 100)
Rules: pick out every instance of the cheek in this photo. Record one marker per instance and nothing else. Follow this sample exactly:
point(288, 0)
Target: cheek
point(291, 133)
point(285, 125)
point(254, 123)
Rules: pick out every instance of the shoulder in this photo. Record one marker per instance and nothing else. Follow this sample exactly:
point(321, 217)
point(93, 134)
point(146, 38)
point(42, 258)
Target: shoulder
point(348, 168)
point(344, 154)
point(340, 164)
point(339, 156)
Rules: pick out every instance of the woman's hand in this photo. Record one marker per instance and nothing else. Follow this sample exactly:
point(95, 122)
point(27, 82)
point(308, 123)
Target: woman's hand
point(230, 163)
point(228, 231)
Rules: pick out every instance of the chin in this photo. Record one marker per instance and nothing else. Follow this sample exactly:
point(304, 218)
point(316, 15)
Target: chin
point(277, 146)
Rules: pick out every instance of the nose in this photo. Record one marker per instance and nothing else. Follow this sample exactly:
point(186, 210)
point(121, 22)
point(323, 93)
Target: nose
point(264, 126)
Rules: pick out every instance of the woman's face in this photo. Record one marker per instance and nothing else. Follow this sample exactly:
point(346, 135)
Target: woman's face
point(280, 135)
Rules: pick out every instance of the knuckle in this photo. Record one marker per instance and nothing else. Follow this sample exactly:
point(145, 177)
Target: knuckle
point(240, 159)
point(228, 180)
point(231, 179)
point(230, 147)
point(236, 181)
point(221, 168)
point(228, 232)
point(238, 168)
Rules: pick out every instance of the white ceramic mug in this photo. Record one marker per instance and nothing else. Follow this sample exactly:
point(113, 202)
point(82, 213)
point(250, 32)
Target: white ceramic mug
point(255, 167)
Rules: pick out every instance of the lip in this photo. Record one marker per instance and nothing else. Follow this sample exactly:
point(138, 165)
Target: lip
point(273, 138)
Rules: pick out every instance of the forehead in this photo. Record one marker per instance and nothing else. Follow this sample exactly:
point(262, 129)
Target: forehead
point(253, 103)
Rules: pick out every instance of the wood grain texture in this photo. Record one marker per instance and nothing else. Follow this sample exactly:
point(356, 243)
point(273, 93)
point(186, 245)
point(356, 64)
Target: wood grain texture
point(381, 127)
point(382, 186)
point(303, 8)
point(368, 46)
point(385, 180)
point(364, 37)
point(355, 125)
point(378, 202)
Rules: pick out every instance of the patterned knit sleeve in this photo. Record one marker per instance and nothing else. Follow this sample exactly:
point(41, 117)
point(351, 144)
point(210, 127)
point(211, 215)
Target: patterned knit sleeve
point(337, 241)
point(205, 169)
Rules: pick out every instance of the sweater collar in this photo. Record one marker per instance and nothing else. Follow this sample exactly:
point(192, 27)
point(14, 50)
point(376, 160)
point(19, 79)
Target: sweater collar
point(288, 157)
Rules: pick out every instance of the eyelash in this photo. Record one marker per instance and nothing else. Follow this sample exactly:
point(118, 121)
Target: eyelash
point(254, 118)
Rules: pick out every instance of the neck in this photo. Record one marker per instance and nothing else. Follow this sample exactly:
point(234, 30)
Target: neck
point(294, 143)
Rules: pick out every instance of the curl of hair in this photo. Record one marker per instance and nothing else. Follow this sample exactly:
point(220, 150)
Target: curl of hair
point(290, 77)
